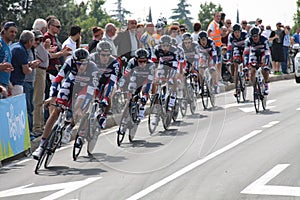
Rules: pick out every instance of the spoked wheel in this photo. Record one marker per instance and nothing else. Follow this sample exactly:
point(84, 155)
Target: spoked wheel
point(243, 88)
point(256, 95)
point(118, 102)
point(263, 98)
point(183, 106)
point(167, 116)
point(175, 111)
point(204, 94)
point(132, 130)
point(238, 88)
point(83, 128)
point(123, 126)
point(153, 116)
point(212, 94)
point(92, 140)
point(192, 99)
point(41, 160)
point(54, 142)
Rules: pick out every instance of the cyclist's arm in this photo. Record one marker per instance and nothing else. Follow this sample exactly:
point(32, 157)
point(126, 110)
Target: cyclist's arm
point(90, 89)
point(112, 79)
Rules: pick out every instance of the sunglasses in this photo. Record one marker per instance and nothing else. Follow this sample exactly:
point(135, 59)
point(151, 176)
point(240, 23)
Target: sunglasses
point(142, 61)
point(57, 26)
point(104, 54)
point(81, 63)
point(165, 45)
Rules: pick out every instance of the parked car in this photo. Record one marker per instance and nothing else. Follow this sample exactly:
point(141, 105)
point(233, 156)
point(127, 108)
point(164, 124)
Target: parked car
point(296, 62)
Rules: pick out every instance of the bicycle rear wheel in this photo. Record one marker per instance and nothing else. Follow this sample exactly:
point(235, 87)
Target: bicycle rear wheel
point(256, 95)
point(153, 116)
point(54, 142)
point(123, 126)
point(82, 128)
point(204, 94)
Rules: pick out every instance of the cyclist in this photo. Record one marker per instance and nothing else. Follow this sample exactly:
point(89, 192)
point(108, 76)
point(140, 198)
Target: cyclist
point(257, 45)
point(78, 73)
point(139, 73)
point(191, 52)
point(235, 49)
point(166, 57)
point(207, 48)
point(108, 67)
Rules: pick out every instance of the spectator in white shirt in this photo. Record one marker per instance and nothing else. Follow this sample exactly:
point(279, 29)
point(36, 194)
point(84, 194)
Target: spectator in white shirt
point(73, 39)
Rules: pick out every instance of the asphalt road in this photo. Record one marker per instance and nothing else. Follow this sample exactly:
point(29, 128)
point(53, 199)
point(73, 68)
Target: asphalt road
point(225, 153)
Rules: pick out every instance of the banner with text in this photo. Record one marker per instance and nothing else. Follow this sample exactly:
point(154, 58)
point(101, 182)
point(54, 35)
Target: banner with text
point(14, 131)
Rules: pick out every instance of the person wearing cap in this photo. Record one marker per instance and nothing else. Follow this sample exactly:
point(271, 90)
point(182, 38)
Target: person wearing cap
point(39, 83)
point(8, 34)
point(276, 37)
point(97, 36)
point(21, 61)
point(286, 46)
point(258, 21)
point(127, 42)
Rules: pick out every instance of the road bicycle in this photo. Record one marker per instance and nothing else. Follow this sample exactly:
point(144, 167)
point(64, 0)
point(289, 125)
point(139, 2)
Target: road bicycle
point(240, 82)
point(159, 108)
point(54, 140)
point(129, 120)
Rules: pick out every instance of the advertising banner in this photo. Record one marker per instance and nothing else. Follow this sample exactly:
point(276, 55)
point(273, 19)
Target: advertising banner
point(14, 131)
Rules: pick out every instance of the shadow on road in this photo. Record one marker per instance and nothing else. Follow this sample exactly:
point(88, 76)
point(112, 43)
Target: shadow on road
point(67, 171)
point(268, 112)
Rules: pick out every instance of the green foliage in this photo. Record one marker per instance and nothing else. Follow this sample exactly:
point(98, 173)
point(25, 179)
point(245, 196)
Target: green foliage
point(206, 13)
point(296, 17)
point(181, 13)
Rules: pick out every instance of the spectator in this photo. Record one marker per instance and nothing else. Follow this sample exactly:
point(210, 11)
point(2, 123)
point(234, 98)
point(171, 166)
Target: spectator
point(276, 37)
point(224, 35)
point(214, 32)
point(140, 31)
point(258, 21)
point(110, 32)
point(147, 40)
point(73, 39)
point(8, 34)
point(20, 61)
point(286, 46)
point(244, 25)
point(40, 76)
point(160, 30)
point(197, 28)
point(127, 42)
point(222, 19)
point(267, 32)
point(97, 36)
point(29, 79)
point(296, 36)
point(174, 33)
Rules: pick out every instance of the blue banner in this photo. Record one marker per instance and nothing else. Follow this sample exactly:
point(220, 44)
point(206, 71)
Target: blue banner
point(14, 131)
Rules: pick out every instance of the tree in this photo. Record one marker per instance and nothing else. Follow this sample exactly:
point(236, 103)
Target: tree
point(297, 17)
point(206, 13)
point(181, 13)
point(149, 17)
point(121, 13)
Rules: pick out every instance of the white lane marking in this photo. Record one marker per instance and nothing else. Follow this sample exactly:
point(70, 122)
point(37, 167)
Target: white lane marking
point(64, 188)
point(270, 124)
point(252, 109)
point(298, 109)
point(193, 165)
point(259, 186)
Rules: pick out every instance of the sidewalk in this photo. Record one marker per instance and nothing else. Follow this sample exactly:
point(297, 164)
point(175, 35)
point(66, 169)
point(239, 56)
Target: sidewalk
point(112, 120)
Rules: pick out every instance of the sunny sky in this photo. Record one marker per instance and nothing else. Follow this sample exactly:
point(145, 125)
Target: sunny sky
point(269, 11)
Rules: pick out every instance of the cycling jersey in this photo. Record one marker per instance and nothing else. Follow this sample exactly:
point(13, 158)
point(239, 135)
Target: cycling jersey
point(235, 46)
point(191, 55)
point(108, 73)
point(252, 48)
point(139, 76)
point(209, 49)
point(74, 82)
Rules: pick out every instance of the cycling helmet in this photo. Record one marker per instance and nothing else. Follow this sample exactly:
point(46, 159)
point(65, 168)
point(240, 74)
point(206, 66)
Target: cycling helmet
point(254, 31)
point(174, 42)
point(187, 36)
point(237, 27)
point(202, 34)
point(103, 46)
point(165, 39)
point(163, 19)
point(141, 53)
point(160, 25)
point(81, 55)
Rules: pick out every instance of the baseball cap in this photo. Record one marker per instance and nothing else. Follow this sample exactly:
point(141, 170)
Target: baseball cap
point(38, 34)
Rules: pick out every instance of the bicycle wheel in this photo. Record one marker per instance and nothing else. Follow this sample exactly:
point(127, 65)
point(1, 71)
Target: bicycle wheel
point(263, 97)
point(42, 158)
point(212, 95)
point(94, 131)
point(243, 88)
point(183, 106)
point(167, 115)
point(192, 99)
point(238, 88)
point(175, 111)
point(118, 102)
point(153, 116)
point(132, 130)
point(82, 128)
point(123, 126)
point(204, 94)
point(54, 142)
point(256, 95)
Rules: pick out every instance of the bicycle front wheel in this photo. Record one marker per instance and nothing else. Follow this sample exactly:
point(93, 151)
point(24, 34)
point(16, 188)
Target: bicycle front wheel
point(81, 129)
point(238, 88)
point(192, 95)
point(256, 95)
point(153, 117)
point(54, 142)
point(132, 131)
point(41, 160)
point(204, 94)
point(244, 88)
point(123, 126)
